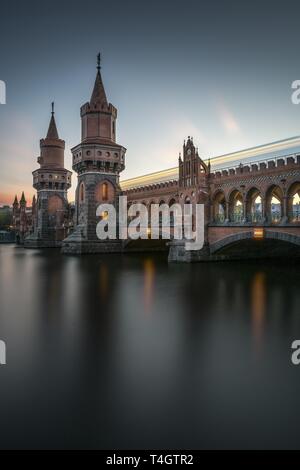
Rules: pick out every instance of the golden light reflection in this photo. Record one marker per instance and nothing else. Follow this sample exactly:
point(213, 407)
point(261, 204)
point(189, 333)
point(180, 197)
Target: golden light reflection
point(149, 271)
point(258, 304)
point(258, 233)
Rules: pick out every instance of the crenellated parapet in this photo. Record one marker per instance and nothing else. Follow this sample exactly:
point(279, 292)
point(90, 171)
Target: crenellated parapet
point(272, 166)
point(163, 189)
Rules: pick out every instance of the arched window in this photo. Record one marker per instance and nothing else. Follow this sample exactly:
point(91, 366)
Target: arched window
point(81, 193)
point(104, 192)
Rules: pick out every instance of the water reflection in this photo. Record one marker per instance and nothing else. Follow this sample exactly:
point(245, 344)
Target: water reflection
point(86, 367)
point(148, 283)
point(258, 306)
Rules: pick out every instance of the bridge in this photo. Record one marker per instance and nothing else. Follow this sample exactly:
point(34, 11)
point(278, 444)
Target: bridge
point(251, 198)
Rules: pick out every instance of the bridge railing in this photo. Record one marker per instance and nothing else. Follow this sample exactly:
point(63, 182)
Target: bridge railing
point(275, 217)
point(256, 217)
point(219, 218)
point(294, 216)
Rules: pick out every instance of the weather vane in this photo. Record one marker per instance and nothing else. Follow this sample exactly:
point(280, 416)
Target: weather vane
point(98, 61)
point(52, 108)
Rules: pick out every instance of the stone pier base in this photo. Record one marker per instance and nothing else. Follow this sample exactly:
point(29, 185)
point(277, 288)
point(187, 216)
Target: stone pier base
point(78, 244)
point(33, 241)
point(179, 254)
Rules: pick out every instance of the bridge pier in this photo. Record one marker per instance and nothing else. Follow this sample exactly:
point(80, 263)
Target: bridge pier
point(179, 254)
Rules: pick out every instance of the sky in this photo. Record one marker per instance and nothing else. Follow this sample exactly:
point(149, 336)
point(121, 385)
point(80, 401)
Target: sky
point(220, 71)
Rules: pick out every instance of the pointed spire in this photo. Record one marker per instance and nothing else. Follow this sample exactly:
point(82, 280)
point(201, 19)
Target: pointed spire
point(16, 200)
point(23, 200)
point(98, 95)
point(52, 130)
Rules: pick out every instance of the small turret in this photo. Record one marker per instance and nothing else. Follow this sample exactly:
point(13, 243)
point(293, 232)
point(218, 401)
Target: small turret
point(98, 117)
point(52, 147)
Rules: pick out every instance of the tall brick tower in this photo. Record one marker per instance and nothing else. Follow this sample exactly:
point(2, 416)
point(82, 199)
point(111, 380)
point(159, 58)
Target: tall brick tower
point(52, 182)
point(98, 161)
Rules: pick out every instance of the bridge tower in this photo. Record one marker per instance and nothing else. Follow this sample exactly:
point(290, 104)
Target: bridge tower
point(52, 182)
point(193, 187)
point(98, 161)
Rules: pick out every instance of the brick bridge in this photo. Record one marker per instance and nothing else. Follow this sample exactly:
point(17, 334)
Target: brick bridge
point(251, 209)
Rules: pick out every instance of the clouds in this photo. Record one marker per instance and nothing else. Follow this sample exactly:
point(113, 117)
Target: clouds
point(227, 119)
point(18, 141)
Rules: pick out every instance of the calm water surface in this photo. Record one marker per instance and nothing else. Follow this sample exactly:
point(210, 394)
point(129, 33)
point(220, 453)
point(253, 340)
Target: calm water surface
point(130, 352)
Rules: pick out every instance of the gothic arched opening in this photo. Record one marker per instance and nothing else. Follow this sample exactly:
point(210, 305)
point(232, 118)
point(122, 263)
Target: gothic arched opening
point(219, 207)
point(236, 209)
point(104, 192)
point(81, 193)
point(294, 203)
point(274, 204)
point(254, 206)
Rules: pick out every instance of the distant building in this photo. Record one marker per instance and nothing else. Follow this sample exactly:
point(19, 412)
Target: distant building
point(6, 229)
point(5, 218)
point(23, 218)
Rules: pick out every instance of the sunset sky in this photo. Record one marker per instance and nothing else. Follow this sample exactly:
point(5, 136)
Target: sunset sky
point(219, 71)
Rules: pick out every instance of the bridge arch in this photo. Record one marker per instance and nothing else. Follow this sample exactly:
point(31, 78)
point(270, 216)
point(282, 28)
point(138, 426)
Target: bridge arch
point(248, 235)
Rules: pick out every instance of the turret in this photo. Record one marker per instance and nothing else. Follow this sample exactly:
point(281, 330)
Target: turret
point(98, 150)
point(52, 182)
point(52, 147)
point(98, 117)
point(98, 161)
point(52, 173)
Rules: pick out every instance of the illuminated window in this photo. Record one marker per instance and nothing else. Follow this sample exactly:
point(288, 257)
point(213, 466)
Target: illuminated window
point(81, 193)
point(104, 192)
